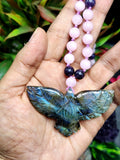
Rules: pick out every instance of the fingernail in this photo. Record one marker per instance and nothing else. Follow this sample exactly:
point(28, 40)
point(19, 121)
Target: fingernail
point(35, 33)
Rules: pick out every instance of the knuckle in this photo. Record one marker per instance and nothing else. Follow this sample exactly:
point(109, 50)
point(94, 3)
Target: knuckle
point(109, 63)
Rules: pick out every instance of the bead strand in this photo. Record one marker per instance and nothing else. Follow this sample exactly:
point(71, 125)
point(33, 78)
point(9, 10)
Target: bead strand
point(72, 45)
point(87, 51)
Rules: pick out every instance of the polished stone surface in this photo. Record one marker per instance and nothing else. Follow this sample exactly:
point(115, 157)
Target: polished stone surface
point(67, 110)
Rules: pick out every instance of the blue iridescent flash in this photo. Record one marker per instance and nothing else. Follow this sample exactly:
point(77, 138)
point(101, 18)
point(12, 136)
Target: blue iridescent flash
point(68, 109)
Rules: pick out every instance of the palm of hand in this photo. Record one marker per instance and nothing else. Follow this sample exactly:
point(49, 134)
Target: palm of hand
point(26, 133)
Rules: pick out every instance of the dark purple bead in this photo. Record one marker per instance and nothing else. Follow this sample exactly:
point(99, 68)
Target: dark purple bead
point(79, 74)
point(92, 57)
point(90, 3)
point(69, 71)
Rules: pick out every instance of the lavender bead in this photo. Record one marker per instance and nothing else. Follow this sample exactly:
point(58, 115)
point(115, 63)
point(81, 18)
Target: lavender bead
point(87, 26)
point(92, 62)
point(79, 6)
point(71, 46)
point(71, 81)
point(87, 51)
point(90, 3)
point(88, 14)
point(77, 19)
point(85, 64)
point(87, 39)
point(69, 58)
point(74, 32)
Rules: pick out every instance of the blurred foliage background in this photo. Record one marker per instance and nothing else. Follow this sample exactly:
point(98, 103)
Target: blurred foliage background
point(18, 20)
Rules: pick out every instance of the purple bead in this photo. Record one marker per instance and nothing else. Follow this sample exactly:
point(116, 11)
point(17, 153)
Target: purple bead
point(69, 71)
point(90, 3)
point(92, 57)
point(79, 74)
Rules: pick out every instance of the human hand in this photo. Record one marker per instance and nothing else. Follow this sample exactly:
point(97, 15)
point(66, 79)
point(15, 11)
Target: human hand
point(24, 133)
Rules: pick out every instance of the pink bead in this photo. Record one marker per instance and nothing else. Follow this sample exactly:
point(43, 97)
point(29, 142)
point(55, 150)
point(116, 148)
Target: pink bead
point(69, 58)
point(74, 32)
point(87, 52)
point(71, 46)
point(77, 19)
point(71, 81)
point(87, 39)
point(92, 62)
point(87, 26)
point(85, 64)
point(88, 14)
point(79, 6)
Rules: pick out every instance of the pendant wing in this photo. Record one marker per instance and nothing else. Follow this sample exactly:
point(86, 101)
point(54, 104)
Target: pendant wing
point(93, 103)
point(46, 100)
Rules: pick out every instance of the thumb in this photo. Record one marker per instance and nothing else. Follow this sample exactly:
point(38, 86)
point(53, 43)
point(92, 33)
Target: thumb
point(26, 62)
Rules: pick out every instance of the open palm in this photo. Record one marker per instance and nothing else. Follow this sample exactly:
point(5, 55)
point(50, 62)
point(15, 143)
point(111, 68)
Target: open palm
point(24, 133)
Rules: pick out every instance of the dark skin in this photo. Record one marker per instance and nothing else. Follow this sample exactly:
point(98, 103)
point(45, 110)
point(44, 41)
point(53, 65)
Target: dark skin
point(24, 133)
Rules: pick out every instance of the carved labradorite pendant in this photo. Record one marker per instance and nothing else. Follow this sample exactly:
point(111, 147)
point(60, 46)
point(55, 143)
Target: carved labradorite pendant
point(67, 110)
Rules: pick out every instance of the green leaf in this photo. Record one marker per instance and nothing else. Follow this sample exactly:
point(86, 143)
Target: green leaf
point(4, 66)
point(1, 39)
point(46, 14)
point(103, 40)
point(43, 2)
point(105, 151)
point(45, 23)
point(7, 55)
point(22, 21)
point(19, 31)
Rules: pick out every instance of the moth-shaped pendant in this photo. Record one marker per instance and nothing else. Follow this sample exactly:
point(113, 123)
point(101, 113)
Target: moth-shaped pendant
point(68, 109)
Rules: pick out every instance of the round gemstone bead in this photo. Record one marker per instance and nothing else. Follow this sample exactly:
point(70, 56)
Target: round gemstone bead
point(89, 3)
point(79, 6)
point(71, 46)
point(88, 14)
point(71, 81)
point(92, 62)
point(87, 26)
point(87, 39)
point(77, 19)
point(92, 57)
point(74, 32)
point(79, 74)
point(69, 71)
point(87, 52)
point(69, 58)
point(85, 64)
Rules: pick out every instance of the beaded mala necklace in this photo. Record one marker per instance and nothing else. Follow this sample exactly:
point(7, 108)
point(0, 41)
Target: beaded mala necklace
point(87, 52)
point(68, 109)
